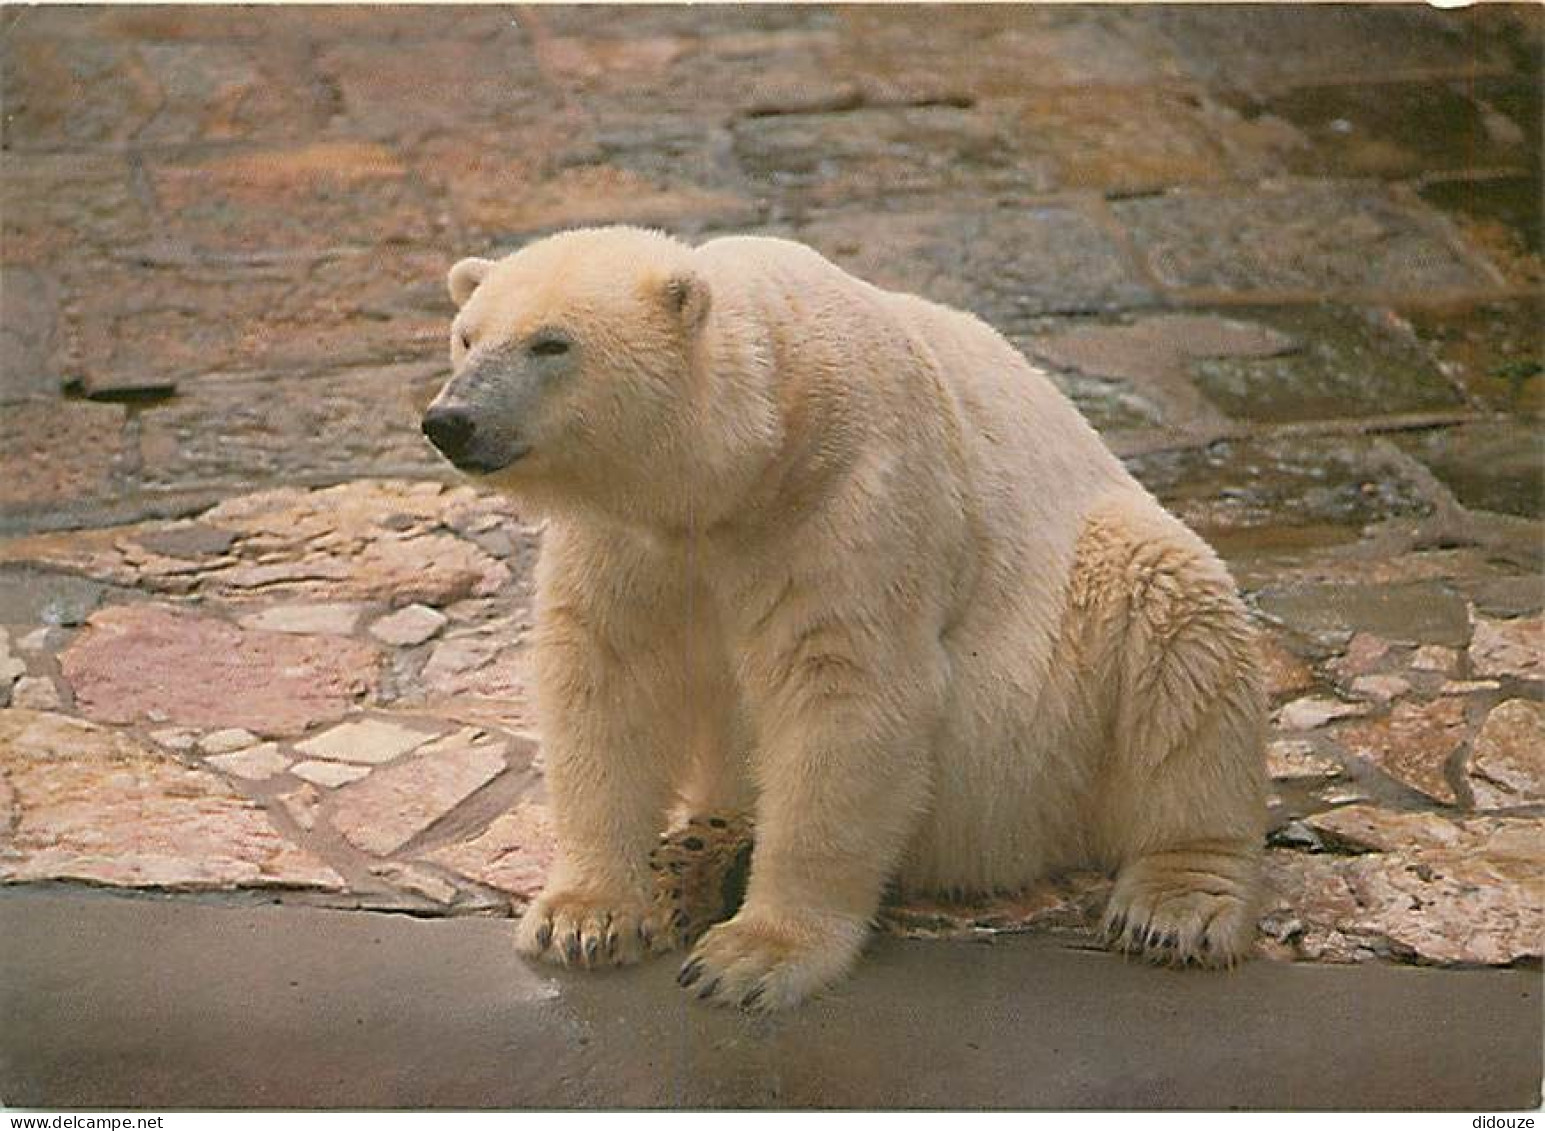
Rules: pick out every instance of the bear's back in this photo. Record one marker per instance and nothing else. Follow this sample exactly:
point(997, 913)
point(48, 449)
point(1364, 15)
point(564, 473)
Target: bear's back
point(1000, 396)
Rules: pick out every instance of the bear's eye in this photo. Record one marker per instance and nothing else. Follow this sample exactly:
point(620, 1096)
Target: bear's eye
point(466, 340)
point(549, 346)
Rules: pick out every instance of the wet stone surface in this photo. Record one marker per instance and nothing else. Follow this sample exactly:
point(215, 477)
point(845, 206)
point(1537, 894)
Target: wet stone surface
point(1500, 214)
point(1320, 237)
point(1239, 48)
point(1392, 129)
point(1285, 259)
point(880, 151)
point(1423, 612)
point(1494, 466)
point(1006, 265)
point(1495, 350)
point(1322, 482)
point(1341, 363)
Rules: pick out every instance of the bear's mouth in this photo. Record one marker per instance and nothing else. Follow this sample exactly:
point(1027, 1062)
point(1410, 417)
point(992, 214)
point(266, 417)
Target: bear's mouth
point(482, 465)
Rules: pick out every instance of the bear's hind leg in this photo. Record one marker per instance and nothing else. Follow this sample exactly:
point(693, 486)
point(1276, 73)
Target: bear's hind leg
point(1187, 834)
point(1180, 804)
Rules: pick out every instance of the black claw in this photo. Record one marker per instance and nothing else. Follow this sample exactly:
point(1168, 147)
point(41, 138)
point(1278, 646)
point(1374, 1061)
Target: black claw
point(571, 948)
point(690, 973)
point(592, 948)
point(611, 944)
point(544, 934)
point(678, 919)
point(707, 991)
point(752, 998)
point(645, 934)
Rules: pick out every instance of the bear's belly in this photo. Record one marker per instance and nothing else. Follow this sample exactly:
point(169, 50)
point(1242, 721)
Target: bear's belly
point(1012, 765)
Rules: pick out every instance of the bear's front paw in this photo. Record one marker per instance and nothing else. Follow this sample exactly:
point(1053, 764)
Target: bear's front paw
point(576, 929)
point(766, 962)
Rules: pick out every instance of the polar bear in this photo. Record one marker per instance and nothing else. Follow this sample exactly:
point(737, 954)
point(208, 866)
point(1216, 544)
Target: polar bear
point(840, 559)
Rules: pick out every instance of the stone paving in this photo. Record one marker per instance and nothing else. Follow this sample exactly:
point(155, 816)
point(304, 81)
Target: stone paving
point(252, 637)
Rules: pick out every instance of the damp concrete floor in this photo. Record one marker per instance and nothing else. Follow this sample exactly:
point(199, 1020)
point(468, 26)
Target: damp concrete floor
point(128, 1003)
point(253, 646)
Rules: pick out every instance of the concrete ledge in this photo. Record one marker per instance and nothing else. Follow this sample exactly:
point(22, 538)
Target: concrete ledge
point(174, 1003)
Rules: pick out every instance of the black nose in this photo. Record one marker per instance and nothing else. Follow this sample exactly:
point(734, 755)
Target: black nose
point(449, 429)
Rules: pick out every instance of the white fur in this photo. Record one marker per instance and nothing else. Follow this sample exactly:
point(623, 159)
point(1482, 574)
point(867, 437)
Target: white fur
point(841, 557)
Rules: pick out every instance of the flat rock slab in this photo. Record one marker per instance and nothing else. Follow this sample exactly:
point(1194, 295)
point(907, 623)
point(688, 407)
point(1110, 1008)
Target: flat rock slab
point(290, 1007)
point(1513, 648)
point(1388, 129)
point(1281, 482)
point(1344, 362)
point(138, 662)
point(256, 763)
point(1417, 613)
point(1003, 266)
point(881, 151)
point(1507, 758)
point(487, 664)
point(1271, 48)
point(327, 619)
point(328, 774)
point(85, 803)
point(1295, 759)
point(329, 426)
point(1423, 885)
point(407, 627)
point(1152, 354)
point(34, 432)
point(1413, 743)
point(33, 597)
point(367, 741)
point(1490, 465)
point(1310, 713)
point(365, 541)
point(382, 813)
point(1492, 348)
point(512, 854)
point(1306, 236)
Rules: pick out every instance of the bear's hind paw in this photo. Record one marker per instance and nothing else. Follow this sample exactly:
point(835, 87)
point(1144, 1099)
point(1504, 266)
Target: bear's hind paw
point(1178, 917)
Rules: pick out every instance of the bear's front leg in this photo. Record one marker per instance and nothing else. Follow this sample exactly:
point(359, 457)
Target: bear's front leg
point(842, 768)
point(617, 703)
point(609, 787)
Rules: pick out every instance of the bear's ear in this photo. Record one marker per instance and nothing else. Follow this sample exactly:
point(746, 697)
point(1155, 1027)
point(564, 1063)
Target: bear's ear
point(465, 277)
point(687, 296)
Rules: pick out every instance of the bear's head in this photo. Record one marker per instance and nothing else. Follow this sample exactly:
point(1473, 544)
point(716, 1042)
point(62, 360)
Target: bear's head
point(580, 372)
